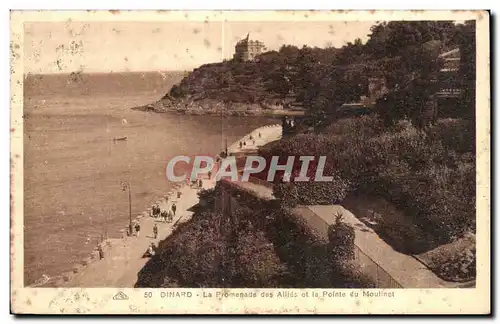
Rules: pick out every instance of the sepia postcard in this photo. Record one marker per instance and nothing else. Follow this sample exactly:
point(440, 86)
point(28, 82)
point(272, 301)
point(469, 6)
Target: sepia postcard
point(250, 162)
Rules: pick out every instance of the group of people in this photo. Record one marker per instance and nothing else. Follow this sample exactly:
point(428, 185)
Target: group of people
point(164, 215)
point(199, 183)
point(251, 138)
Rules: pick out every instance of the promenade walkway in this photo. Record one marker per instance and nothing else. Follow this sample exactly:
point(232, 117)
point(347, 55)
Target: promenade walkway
point(268, 134)
point(123, 256)
point(405, 269)
point(123, 259)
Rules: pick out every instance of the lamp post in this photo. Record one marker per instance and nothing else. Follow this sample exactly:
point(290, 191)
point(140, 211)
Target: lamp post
point(125, 186)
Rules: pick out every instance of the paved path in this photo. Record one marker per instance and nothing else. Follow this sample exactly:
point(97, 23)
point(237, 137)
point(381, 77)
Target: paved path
point(123, 257)
point(405, 269)
point(268, 134)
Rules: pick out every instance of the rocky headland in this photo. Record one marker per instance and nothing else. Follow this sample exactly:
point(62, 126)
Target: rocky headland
point(229, 88)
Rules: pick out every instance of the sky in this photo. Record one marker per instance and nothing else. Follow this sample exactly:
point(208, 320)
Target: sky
point(115, 46)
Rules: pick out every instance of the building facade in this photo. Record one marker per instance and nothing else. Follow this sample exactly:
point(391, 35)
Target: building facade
point(247, 50)
point(450, 89)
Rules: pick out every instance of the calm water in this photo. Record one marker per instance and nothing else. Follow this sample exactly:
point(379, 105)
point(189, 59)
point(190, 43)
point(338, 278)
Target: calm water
point(73, 169)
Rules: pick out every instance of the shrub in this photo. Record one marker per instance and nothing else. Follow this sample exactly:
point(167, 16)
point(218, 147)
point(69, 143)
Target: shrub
point(194, 255)
point(311, 193)
point(287, 194)
point(309, 258)
point(462, 265)
point(357, 127)
point(209, 251)
point(455, 134)
point(431, 183)
point(207, 196)
point(438, 198)
point(341, 242)
point(415, 148)
point(256, 263)
point(322, 193)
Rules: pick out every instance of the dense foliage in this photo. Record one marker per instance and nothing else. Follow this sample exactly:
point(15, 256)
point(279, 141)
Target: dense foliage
point(209, 251)
point(403, 53)
point(259, 248)
point(430, 174)
point(311, 192)
point(427, 171)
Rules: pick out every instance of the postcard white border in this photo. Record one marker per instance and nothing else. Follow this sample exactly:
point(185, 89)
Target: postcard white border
point(99, 300)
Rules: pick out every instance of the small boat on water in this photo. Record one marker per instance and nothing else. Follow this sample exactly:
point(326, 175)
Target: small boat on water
point(124, 138)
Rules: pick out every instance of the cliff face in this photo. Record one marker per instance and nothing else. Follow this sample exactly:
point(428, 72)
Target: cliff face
point(230, 88)
point(231, 81)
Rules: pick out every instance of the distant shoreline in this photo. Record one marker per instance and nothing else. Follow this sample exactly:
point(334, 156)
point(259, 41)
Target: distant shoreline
point(182, 109)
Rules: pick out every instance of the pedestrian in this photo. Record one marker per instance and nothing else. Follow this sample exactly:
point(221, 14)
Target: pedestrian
point(137, 229)
point(155, 231)
point(209, 175)
point(174, 208)
point(241, 145)
point(260, 135)
point(245, 143)
point(200, 183)
point(169, 218)
point(101, 252)
point(150, 251)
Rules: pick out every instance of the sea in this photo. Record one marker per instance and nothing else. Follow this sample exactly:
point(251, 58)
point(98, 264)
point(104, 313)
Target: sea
point(73, 169)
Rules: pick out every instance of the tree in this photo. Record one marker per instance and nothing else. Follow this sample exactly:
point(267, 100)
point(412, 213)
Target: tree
point(277, 81)
point(413, 85)
point(466, 39)
point(290, 53)
point(335, 88)
point(390, 39)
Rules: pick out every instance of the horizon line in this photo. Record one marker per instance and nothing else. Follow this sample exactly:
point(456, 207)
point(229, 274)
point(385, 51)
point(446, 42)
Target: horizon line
point(104, 72)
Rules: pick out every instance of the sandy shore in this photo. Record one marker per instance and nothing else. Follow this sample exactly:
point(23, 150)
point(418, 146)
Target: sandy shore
point(123, 256)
